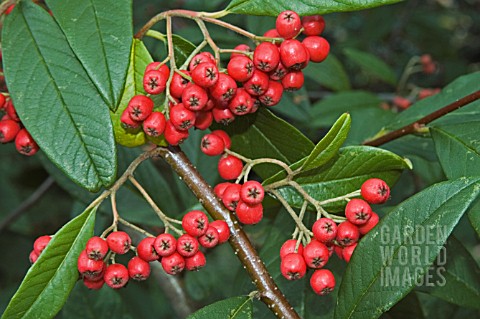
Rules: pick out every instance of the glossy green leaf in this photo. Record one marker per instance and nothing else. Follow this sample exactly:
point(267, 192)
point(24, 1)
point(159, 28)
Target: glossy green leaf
point(232, 308)
point(371, 65)
point(439, 309)
point(183, 48)
point(302, 7)
point(391, 259)
point(474, 217)
point(330, 74)
point(456, 276)
point(329, 145)
point(458, 148)
point(346, 173)
point(100, 33)
point(60, 106)
point(48, 282)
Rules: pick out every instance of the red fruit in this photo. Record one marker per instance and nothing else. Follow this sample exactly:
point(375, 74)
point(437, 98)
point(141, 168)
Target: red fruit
point(231, 196)
point(212, 145)
point(181, 117)
point(348, 251)
point(8, 130)
point(266, 56)
point(165, 244)
point(195, 223)
point(317, 47)
point(229, 167)
point(293, 81)
point(9, 9)
point(178, 84)
point(10, 109)
point(224, 136)
point(96, 248)
point(2, 101)
point(272, 33)
point(154, 82)
point(293, 54)
point(338, 251)
point(138, 269)
point(424, 93)
point(187, 245)
point(93, 284)
point(146, 249)
point(240, 47)
point(288, 24)
point(173, 264)
point(347, 234)
point(89, 268)
point(240, 68)
point(375, 191)
point(256, 105)
point(119, 242)
point(33, 257)
point(429, 68)
point(252, 193)
point(223, 231)
point(205, 74)
point(223, 115)
point(116, 276)
point(203, 119)
point(25, 144)
point(40, 243)
point(358, 211)
point(249, 214)
point(241, 103)
point(313, 25)
point(195, 262)
point(372, 222)
point(257, 84)
point(279, 73)
point(401, 102)
point(219, 189)
point(322, 282)
point(273, 95)
point(140, 107)
point(194, 97)
point(174, 136)
point(163, 68)
point(210, 238)
point(324, 230)
point(154, 125)
point(225, 88)
point(316, 254)
point(127, 122)
point(200, 58)
point(293, 266)
point(288, 247)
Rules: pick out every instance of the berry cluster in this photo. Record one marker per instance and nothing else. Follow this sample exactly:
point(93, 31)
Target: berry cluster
point(329, 237)
point(204, 93)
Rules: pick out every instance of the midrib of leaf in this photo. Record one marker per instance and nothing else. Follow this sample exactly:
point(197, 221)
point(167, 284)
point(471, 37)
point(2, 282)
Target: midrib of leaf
point(239, 309)
point(455, 138)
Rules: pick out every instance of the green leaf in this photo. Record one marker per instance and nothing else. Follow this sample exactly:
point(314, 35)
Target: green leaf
point(458, 148)
point(49, 281)
point(457, 276)
point(389, 261)
point(60, 106)
point(329, 145)
point(346, 173)
point(302, 7)
point(263, 135)
point(183, 48)
point(330, 74)
point(408, 307)
point(100, 33)
point(232, 308)
point(372, 65)
point(474, 217)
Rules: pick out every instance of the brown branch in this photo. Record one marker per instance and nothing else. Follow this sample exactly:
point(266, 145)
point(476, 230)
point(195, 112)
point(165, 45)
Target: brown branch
point(413, 127)
point(268, 290)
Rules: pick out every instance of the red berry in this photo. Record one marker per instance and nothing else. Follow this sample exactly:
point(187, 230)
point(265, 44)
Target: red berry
point(313, 25)
point(140, 107)
point(347, 234)
point(231, 196)
point(424, 93)
point(241, 103)
point(257, 84)
point(33, 257)
point(2, 101)
point(324, 230)
point(9, 9)
point(127, 122)
point(181, 117)
point(317, 47)
point(272, 33)
point(279, 72)
point(89, 268)
point(240, 68)
point(194, 97)
point(316, 254)
point(116, 276)
point(288, 247)
point(158, 66)
point(96, 248)
point(200, 58)
point(348, 251)
point(293, 81)
point(212, 145)
point(240, 47)
point(223, 115)
point(154, 82)
point(11, 112)
point(225, 88)
point(322, 282)
point(223, 231)
point(154, 125)
point(375, 191)
point(273, 95)
point(252, 193)
point(224, 136)
point(173, 264)
point(174, 136)
point(178, 84)
point(93, 284)
point(195, 262)
point(195, 223)
point(249, 214)
point(293, 54)
point(210, 239)
point(8, 130)
point(40, 243)
point(293, 266)
point(146, 249)
point(219, 189)
point(187, 245)
point(401, 102)
point(358, 211)
point(288, 24)
point(119, 242)
point(266, 56)
point(205, 74)
point(165, 244)
point(25, 144)
point(338, 251)
point(229, 167)
point(372, 222)
point(203, 119)
point(138, 269)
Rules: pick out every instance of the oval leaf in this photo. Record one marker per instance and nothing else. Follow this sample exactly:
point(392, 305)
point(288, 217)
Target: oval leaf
point(59, 105)
point(330, 74)
point(48, 282)
point(183, 48)
point(389, 260)
point(372, 65)
point(231, 308)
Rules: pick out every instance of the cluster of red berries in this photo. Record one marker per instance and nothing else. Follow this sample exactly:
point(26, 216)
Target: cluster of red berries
point(330, 237)
point(174, 254)
point(202, 94)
